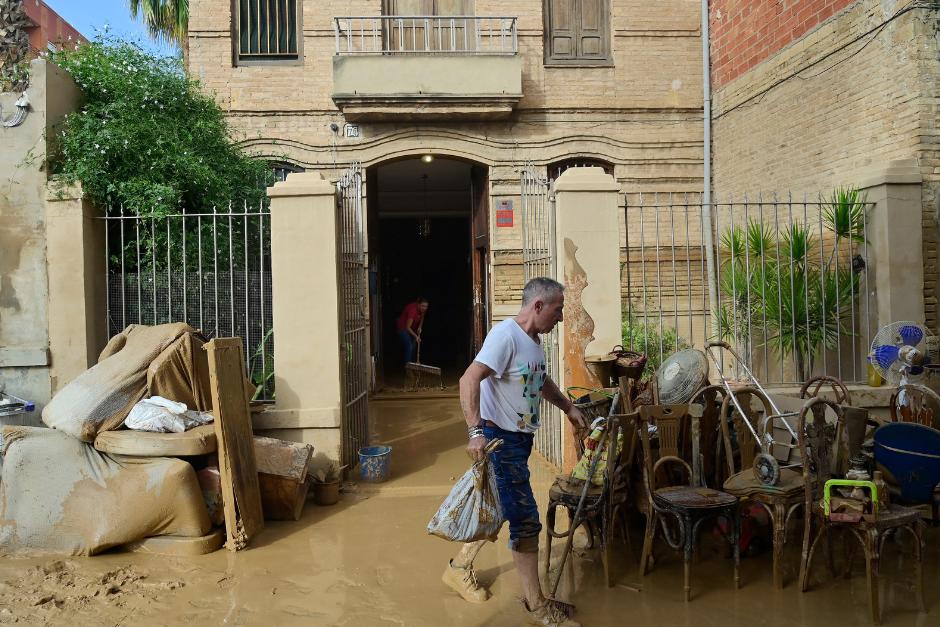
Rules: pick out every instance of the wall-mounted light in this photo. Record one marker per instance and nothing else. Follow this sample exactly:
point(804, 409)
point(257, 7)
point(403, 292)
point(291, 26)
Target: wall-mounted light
point(427, 158)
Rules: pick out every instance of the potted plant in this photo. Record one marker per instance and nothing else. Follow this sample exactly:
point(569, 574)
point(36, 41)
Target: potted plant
point(326, 484)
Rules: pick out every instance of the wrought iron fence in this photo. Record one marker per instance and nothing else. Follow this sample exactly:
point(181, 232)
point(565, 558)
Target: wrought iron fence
point(354, 310)
point(211, 270)
point(425, 34)
point(792, 277)
point(539, 259)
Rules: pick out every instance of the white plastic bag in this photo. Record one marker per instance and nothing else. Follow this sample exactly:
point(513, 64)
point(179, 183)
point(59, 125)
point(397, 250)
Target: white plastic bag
point(164, 416)
point(471, 511)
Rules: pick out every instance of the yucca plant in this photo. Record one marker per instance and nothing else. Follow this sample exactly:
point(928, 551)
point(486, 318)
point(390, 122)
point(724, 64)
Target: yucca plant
point(779, 278)
point(844, 214)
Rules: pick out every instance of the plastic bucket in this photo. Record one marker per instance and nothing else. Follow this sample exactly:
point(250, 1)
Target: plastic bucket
point(375, 463)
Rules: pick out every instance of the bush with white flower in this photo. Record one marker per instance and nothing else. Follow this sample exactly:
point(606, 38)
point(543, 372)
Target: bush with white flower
point(147, 137)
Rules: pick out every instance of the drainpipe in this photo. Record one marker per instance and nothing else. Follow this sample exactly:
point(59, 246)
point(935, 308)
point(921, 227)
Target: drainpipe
point(707, 236)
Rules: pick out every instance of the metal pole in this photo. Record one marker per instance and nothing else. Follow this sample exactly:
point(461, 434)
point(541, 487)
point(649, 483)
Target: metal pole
point(712, 272)
point(202, 322)
point(140, 299)
point(215, 265)
point(688, 268)
point(675, 284)
point(107, 274)
point(123, 277)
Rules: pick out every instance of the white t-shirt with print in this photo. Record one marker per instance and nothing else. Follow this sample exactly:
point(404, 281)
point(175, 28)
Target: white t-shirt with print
point(511, 397)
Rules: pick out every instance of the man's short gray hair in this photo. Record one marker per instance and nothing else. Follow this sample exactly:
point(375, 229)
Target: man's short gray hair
point(542, 288)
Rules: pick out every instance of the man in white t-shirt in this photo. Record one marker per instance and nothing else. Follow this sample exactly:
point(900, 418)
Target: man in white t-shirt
point(501, 393)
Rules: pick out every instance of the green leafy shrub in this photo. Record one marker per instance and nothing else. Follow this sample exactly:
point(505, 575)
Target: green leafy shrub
point(147, 137)
point(261, 368)
point(643, 336)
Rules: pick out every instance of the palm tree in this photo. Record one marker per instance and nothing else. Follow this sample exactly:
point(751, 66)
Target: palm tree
point(167, 20)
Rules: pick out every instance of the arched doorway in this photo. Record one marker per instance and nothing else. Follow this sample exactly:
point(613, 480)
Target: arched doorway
point(428, 235)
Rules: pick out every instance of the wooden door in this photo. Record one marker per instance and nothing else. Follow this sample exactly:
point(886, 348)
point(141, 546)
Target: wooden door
point(480, 250)
point(418, 35)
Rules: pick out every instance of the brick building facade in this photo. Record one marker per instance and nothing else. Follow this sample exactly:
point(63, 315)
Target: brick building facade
point(617, 83)
point(48, 27)
point(807, 94)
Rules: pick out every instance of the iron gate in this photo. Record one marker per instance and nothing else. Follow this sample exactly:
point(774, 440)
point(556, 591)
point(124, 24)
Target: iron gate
point(210, 269)
point(539, 259)
point(354, 349)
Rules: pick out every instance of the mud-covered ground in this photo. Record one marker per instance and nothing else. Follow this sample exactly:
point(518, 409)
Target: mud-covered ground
point(368, 561)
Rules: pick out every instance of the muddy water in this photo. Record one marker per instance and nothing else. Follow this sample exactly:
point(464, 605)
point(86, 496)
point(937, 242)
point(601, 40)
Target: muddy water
point(368, 561)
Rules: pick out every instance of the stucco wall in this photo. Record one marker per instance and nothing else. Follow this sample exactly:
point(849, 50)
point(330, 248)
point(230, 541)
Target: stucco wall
point(856, 91)
point(24, 336)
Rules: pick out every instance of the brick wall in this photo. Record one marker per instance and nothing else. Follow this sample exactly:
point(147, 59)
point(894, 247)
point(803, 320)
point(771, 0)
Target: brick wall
point(856, 91)
point(50, 27)
point(745, 32)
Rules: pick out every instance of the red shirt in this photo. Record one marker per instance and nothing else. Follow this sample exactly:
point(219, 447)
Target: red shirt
point(412, 311)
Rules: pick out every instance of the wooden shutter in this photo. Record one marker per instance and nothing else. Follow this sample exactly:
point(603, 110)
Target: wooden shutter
point(409, 7)
point(453, 7)
point(577, 32)
point(562, 29)
point(592, 31)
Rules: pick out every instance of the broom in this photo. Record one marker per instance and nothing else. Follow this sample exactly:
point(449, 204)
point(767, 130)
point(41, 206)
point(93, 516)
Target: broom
point(416, 369)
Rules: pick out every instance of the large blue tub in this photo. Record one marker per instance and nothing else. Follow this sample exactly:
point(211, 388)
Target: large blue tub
point(910, 453)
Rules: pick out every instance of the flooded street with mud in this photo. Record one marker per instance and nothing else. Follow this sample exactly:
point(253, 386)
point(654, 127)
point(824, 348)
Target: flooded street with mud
point(369, 561)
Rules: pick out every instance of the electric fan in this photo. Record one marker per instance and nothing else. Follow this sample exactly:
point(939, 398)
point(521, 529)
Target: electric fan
point(903, 352)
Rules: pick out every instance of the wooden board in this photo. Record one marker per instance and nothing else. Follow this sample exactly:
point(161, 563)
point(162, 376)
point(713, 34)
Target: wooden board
point(282, 458)
point(282, 498)
point(238, 472)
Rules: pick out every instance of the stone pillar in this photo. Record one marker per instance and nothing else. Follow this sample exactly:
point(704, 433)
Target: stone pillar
point(895, 241)
point(76, 269)
point(306, 315)
point(588, 253)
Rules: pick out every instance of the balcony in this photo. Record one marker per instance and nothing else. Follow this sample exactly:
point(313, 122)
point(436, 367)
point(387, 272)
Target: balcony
point(426, 67)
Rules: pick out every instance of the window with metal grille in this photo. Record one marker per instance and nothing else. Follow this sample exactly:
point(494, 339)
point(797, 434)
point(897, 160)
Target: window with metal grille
point(282, 169)
point(267, 30)
point(577, 32)
point(556, 169)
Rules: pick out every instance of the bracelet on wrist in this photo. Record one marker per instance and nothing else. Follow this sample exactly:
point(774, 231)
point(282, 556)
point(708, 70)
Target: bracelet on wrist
point(475, 431)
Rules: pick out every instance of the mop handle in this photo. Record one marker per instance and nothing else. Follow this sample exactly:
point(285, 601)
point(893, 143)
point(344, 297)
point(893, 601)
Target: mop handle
point(584, 491)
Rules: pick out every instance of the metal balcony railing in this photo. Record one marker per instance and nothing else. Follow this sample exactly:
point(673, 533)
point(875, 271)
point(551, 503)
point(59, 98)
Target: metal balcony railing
point(426, 35)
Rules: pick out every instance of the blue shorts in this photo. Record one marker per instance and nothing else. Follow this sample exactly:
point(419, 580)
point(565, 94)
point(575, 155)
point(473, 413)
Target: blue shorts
point(511, 467)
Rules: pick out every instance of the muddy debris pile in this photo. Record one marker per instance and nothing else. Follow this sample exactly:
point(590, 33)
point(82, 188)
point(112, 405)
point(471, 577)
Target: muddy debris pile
point(58, 587)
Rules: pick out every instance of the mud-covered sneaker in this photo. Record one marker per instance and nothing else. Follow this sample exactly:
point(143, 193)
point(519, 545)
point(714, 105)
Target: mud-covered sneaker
point(464, 582)
point(550, 614)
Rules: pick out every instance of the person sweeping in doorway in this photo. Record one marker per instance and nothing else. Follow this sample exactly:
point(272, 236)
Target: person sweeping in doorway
point(500, 394)
point(409, 325)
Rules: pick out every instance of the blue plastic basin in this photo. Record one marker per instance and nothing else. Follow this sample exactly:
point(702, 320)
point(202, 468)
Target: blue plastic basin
point(911, 454)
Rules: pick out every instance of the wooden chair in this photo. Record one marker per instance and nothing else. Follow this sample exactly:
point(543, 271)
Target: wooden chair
point(604, 505)
point(688, 505)
point(918, 407)
point(781, 500)
point(820, 464)
point(813, 386)
point(706, 468)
